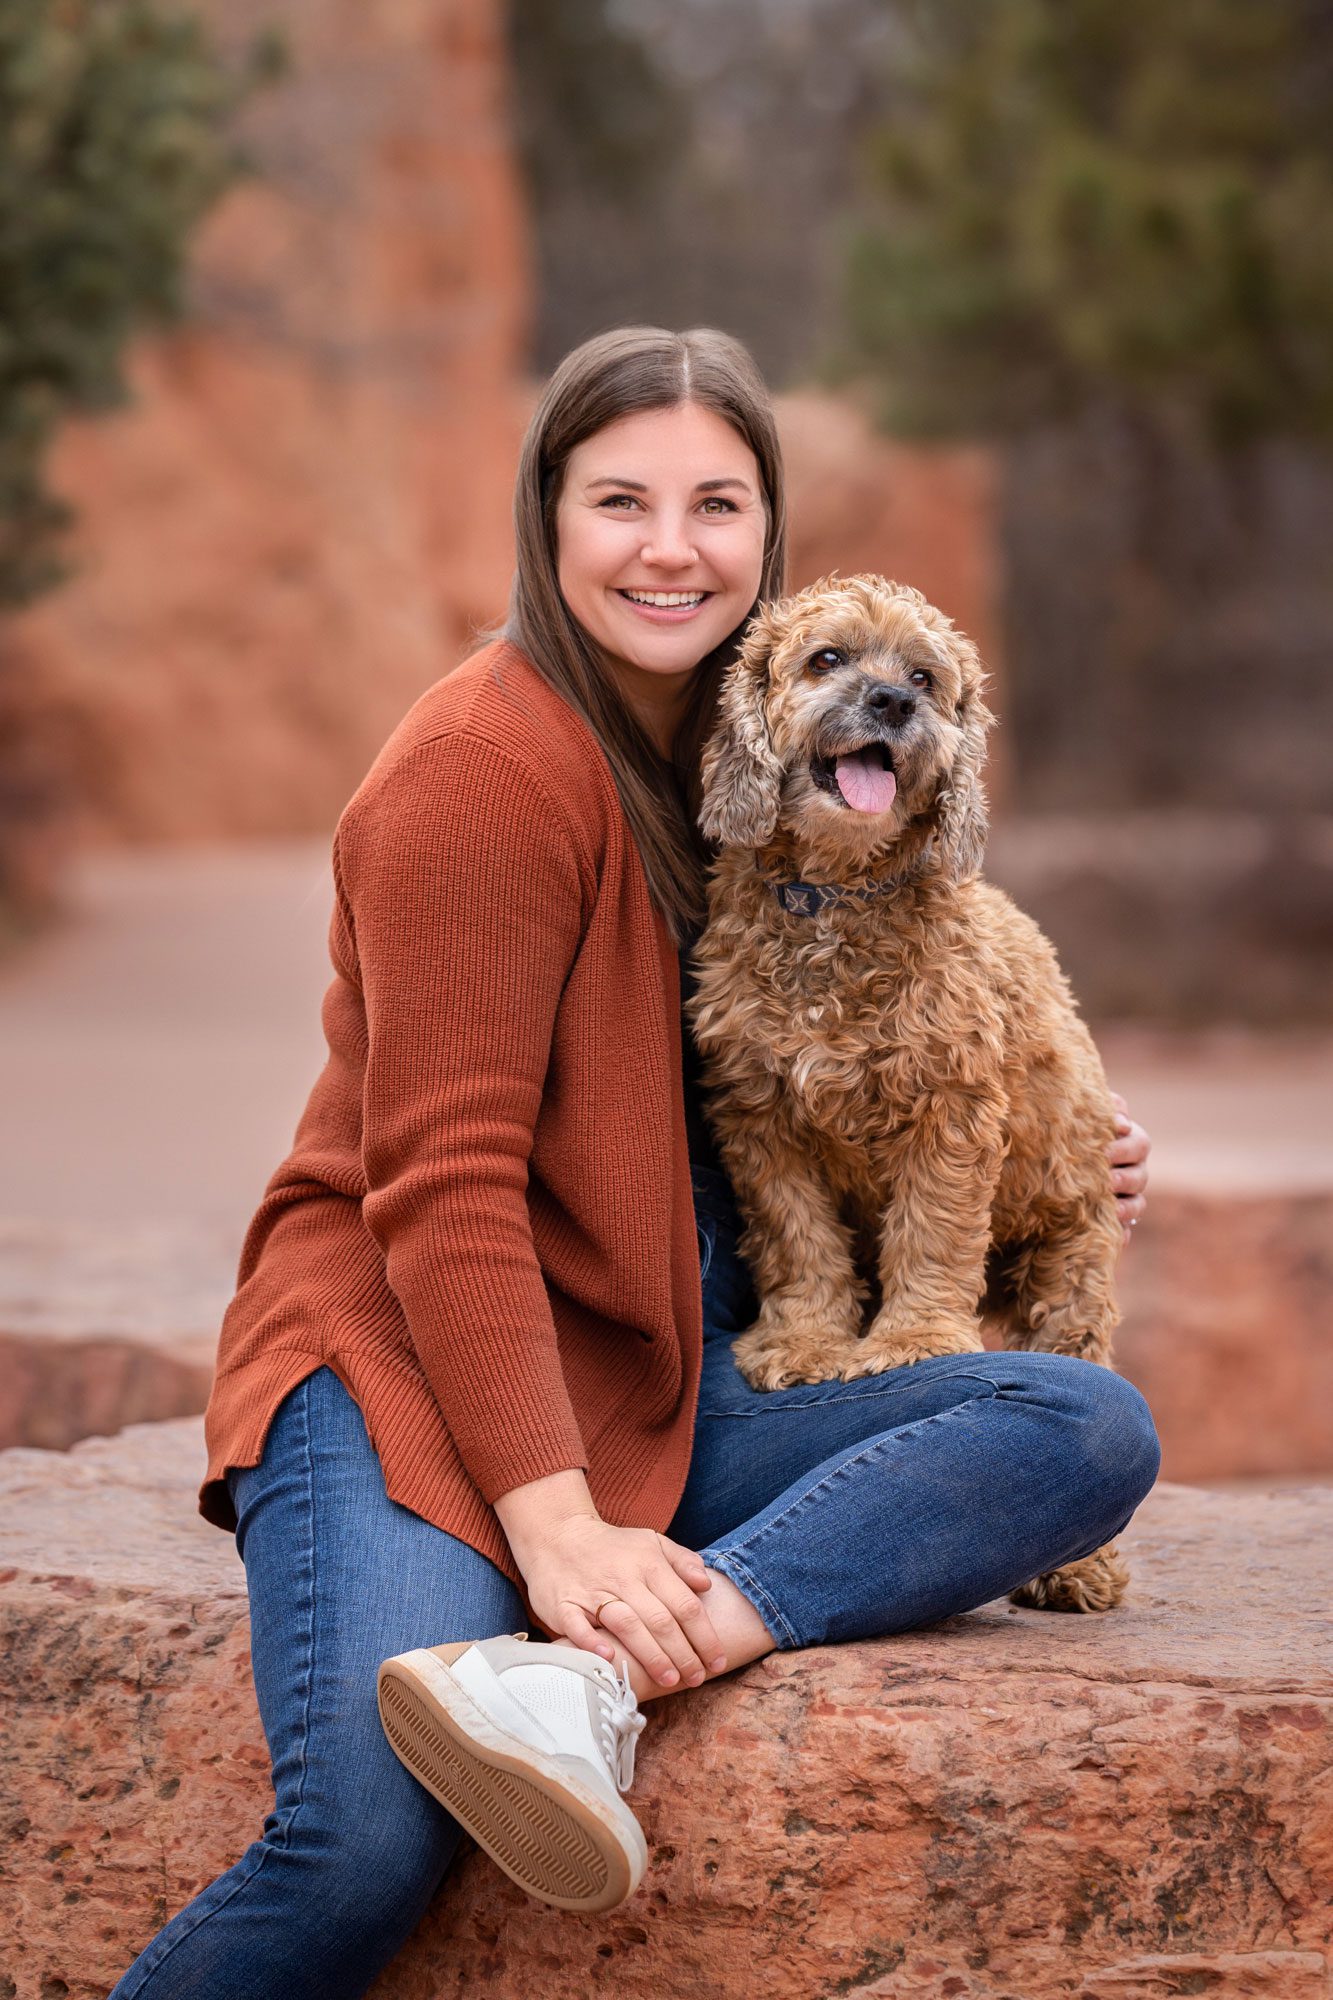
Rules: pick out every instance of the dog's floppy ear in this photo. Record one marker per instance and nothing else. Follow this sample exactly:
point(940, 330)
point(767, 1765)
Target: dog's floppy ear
point(741, 771)
point(964, 821)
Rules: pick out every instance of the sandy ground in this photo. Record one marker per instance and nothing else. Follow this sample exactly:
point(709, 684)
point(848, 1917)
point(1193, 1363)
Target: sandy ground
point(156, 1050)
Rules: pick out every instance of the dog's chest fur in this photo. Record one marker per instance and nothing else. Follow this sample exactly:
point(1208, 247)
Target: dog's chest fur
point(846, 1014)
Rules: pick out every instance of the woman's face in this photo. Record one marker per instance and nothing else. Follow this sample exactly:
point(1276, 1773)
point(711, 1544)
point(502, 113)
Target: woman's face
point(665, 502)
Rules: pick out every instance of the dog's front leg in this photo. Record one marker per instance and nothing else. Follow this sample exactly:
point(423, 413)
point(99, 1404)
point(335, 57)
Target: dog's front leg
point(940, 1170)
point(800, 1252)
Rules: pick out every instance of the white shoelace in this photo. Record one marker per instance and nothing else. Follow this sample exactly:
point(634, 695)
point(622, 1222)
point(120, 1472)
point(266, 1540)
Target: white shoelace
point(622, 1720)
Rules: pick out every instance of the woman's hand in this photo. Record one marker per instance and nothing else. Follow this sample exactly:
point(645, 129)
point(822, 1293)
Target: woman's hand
point(1128, 1154)
point(634, 1583)
point(646, 1587)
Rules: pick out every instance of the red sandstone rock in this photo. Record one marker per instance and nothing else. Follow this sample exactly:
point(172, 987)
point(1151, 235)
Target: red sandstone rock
point(103, 1328)
point(1011, 1806)
point(1228, 1305)
point(290, 532)
point(1227, 1975)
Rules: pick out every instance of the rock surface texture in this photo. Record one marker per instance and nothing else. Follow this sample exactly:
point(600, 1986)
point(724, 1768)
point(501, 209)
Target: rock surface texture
point(1010, 1806)
point(103, 1328)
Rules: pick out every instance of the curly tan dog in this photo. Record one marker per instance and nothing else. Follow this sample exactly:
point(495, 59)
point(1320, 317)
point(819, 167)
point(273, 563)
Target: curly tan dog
point(913, 1116)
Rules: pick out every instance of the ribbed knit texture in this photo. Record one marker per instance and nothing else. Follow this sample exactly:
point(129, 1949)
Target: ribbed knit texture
point(485, 1225)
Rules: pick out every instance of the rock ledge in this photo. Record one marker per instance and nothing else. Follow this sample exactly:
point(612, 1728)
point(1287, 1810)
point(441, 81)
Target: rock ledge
point(1009, 1806)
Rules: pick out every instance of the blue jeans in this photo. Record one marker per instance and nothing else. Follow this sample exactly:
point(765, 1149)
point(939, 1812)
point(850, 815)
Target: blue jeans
point(842, 1510)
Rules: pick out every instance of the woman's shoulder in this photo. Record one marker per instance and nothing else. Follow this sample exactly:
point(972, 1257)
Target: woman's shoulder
point(497, 699)
point(490, 736)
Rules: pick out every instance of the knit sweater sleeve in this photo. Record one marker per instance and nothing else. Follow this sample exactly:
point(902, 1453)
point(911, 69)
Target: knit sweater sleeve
point(463, 898)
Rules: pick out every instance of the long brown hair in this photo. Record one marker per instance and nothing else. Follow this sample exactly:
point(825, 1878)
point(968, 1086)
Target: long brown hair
point(614, 375)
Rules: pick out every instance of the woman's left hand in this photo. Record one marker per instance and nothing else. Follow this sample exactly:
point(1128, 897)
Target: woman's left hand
point(1128, 1154)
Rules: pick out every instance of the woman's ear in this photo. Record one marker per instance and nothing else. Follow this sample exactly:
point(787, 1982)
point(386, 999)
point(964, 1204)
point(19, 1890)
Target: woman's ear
point(964, 821)
point(741, 771)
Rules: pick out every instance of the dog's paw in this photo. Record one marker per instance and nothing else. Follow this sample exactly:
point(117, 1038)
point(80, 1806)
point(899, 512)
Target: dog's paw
point(1094, 1583)
point(778, 1358)
point(883, 1347)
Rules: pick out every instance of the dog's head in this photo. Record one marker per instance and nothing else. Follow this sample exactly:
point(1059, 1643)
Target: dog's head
point(853, 717)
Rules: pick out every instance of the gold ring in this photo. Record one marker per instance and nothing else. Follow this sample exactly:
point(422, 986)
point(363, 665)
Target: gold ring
point(602, 1606)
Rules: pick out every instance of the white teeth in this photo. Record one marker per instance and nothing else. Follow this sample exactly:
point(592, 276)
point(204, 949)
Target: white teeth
point(667, 596)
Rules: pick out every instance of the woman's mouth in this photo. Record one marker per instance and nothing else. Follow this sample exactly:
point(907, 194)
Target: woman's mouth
point(666, 607)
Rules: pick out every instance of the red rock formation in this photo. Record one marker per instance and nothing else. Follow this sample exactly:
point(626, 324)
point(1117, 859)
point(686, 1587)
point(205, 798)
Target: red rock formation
point(1228, 1305)
point(103, 1328)
point(289, 534)
point(1009, 1806)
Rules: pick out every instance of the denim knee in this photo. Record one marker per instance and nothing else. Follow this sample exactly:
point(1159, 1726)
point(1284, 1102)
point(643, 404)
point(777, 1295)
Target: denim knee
point(1122, 1453)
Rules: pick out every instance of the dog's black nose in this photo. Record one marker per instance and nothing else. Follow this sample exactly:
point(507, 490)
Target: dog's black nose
point(895, 704)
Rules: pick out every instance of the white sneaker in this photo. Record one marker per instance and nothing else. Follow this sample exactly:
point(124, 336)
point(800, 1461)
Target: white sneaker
point(529, 1746)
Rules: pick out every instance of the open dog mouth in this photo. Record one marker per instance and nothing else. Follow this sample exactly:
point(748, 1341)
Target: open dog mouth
point(863, 779)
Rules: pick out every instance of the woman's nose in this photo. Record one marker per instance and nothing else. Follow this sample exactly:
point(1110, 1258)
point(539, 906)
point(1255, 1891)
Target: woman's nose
point(670, 544)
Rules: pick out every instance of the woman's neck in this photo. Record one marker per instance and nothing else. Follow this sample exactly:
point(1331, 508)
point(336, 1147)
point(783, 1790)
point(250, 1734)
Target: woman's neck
point(658, 700)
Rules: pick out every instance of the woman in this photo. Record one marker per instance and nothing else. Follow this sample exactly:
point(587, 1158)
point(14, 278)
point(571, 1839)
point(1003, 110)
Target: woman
point(471, 1381)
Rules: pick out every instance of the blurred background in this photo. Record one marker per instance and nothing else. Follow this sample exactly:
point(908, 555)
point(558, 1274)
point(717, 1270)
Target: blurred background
point(1045, 292)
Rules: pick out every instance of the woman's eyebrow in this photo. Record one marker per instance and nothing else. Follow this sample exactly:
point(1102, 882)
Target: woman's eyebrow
point(637, 486)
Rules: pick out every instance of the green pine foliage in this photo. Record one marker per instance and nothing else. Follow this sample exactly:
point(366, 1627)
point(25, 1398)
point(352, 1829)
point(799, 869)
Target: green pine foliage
point(114, 141)
point(1074, 202)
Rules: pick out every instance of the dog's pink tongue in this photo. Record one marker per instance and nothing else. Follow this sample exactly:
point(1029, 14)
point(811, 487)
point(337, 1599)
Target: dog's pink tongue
point(864, 782)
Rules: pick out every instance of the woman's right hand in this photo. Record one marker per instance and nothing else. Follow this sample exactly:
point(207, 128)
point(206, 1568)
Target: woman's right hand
point(650, 1581)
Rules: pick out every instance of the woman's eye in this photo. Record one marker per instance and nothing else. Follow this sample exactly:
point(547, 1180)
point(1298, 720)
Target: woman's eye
point(920, 678)
point(713, 500)
point(825, 659)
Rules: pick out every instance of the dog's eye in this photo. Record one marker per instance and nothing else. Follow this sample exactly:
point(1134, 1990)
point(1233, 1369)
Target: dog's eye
point(825, 660)
point(920, 678)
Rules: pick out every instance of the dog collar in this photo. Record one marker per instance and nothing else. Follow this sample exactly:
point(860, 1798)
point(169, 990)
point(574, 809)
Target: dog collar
point(807, 899)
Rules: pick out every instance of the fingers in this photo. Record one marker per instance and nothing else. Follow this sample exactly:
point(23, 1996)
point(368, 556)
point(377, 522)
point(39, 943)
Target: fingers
point(652, 1619)
point(632, 1589)
point(1130, 1209)
point(576, 1625)
point(687, 1564)
point(1129, 1184)
point(690, 1565)
point(1128, 1154)
point(1130, 1146)
point(699, 1629)
point(632, 1628)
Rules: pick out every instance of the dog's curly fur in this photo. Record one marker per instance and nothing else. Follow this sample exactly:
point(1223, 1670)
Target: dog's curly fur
point(913, 1116)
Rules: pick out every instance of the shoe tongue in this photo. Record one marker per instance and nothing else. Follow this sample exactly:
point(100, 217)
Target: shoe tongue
point(864, 782)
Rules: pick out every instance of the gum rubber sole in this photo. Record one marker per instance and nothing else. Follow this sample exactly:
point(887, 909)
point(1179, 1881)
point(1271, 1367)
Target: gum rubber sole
point(551, 1836)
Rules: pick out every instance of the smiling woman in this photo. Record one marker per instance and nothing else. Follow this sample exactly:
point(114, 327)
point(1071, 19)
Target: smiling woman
point(651, 471)
point(661, 528)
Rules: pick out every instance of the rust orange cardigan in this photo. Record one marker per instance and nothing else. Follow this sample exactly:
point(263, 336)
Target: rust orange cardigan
point(485, 1224)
